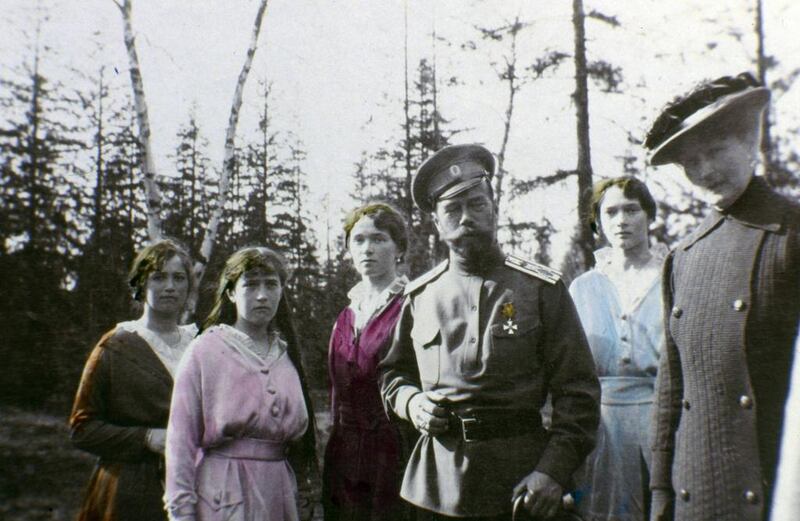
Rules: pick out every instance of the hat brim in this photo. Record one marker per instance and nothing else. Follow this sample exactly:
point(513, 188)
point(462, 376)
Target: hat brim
point(749, 100)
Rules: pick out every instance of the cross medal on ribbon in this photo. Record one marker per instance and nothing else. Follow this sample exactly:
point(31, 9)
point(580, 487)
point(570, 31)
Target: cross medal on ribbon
point(508, 312)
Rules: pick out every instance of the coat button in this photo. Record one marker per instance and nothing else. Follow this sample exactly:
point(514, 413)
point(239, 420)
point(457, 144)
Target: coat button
point(265, 371)
point(677, 312)
point(623, 317)
point(472, 340)
point(751, 497)
point(739, 304)
point(275, 410)
point(686, 404)
point(626, 359)
point(623, 338)
point(271, 390)
point(684, 494)
point(218, 498)
point(474, 307)
point(745, 402)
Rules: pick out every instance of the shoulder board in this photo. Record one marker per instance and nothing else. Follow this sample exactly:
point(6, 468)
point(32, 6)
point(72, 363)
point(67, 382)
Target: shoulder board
point(540, 271)
point(425, 278)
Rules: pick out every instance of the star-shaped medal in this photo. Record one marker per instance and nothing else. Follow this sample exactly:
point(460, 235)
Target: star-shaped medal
point(510, 327)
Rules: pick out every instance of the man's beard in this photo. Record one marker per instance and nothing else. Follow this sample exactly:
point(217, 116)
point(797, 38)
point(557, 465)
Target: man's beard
point(476, 250)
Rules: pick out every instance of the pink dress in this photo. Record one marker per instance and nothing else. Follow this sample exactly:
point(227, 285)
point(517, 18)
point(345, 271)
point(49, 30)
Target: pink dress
point(232, 416)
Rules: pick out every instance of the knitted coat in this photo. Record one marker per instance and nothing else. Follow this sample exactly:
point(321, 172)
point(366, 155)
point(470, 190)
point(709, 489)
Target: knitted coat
point(732, 303)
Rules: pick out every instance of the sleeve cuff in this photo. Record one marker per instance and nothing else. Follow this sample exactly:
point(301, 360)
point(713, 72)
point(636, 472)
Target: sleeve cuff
point(661, 470)
point(559, 465)
point(404, 395)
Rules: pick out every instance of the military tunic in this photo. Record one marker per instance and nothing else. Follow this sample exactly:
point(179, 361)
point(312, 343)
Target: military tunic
point(497, 342)
point(732, 302)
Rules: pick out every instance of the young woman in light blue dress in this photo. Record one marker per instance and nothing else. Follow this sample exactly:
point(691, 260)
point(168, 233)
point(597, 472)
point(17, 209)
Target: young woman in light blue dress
point(619, 303)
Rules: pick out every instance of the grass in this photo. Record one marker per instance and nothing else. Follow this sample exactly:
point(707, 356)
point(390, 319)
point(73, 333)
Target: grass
point(42, 475)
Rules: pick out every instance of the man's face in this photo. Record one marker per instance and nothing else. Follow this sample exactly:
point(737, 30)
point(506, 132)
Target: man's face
point(467, 222)
point(720, 165)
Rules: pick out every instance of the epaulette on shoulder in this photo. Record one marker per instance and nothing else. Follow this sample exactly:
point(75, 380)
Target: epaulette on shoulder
point(540, 271)
point(425, 278)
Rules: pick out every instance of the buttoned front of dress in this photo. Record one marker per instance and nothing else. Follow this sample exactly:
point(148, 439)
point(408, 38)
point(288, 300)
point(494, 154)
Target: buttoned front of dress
point(625, 343)
point(227, 400)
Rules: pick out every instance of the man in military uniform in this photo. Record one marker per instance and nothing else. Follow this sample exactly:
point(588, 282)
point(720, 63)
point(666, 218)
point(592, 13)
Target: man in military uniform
point(482, 340)
point(732, 302)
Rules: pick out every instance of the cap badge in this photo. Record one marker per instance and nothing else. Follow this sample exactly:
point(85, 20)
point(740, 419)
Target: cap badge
point(455, 170)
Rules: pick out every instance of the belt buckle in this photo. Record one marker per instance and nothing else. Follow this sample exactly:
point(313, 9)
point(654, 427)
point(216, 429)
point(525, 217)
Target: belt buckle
point(465, 426)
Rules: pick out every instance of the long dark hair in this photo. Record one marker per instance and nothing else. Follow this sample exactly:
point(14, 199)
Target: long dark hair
point(260, 257)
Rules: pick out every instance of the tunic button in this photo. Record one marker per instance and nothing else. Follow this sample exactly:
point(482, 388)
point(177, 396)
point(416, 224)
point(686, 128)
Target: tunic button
point(745, 402)
point(626, 359)
point(474, 308)
point(739, 304)
point(684, 494)
point(677, 312)
point(686, 404)
point(623, 316)
point(275, 410)
point(218, 498)
point(472, 340)
point(271, 390)
point(624, 338)
point(265, 371)
point(751, 497)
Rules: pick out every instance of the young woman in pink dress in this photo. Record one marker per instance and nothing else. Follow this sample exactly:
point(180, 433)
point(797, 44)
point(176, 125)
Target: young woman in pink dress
point(241, 422)
point(361, 478)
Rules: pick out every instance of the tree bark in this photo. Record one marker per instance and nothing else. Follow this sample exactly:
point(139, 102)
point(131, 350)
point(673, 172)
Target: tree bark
point(228, 160)
point(761, 65)
point(584, 166)
point(147, 163)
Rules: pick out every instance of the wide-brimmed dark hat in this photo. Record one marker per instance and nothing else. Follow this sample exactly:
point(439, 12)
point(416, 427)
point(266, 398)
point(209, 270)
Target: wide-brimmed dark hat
point(452, 170)
point(709, 105)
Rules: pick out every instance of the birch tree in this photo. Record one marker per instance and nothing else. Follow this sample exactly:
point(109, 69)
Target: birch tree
point(146, 160)
point(228, 159)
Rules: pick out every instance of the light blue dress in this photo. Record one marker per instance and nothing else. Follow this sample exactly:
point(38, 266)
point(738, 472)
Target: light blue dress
point(613, 483)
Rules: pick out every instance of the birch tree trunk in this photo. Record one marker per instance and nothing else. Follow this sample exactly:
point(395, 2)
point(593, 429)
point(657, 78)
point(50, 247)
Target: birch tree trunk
point(218, 206)
point(147, 164)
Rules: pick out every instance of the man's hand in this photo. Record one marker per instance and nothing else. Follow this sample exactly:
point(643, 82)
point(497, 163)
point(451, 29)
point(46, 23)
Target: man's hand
point(156, 439)
point(428, 413)
point(661, 505)
point(542, 494)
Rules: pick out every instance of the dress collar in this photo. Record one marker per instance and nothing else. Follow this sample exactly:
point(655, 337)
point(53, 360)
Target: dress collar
point(757, 207)
point(358, 294)
point(365, 308)
point(603, 256)
point(169, 355)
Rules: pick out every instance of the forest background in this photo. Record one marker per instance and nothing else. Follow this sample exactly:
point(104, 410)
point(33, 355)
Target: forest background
point(344, 100)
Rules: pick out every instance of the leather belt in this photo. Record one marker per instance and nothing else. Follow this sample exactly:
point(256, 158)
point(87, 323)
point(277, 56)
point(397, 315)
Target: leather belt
point(488, 425)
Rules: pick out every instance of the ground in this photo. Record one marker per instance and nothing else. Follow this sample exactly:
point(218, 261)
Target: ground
point(42, 475)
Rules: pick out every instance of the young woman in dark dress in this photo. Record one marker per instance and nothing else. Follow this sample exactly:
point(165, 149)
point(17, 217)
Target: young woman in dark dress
point(363, 459)
point(122, 404)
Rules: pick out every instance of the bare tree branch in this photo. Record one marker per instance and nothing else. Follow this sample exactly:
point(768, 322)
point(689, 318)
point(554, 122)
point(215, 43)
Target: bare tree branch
point(524, 187)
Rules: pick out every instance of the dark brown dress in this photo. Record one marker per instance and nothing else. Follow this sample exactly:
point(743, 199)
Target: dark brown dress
point(125, 390)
